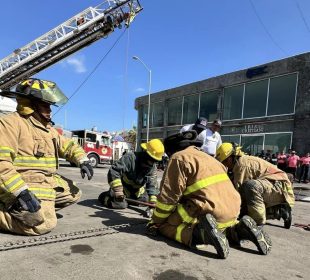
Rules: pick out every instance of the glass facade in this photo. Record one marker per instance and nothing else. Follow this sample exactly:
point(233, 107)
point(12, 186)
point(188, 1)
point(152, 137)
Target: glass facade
point(144, 112)
point(190, 108)
point(261, 98)
point(280, 89)
point(157, 114)
point(254, 144)
point(174, 111)
point(255, 99)
point(208, 105)
point(233, 102)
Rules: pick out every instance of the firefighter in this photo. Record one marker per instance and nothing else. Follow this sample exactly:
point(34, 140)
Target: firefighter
point(260, 184)
point(197, 203)
point(30, 188)
point(130, 173)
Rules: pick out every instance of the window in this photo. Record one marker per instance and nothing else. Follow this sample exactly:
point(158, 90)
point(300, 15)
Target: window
point(255, 99)
point(208, 105)
point(233, 98)
point(252, 145)
point(174, 111)
point(190, 108)
point(277, 142)
point(157, 113)
point(144, 115)
point(280, 89)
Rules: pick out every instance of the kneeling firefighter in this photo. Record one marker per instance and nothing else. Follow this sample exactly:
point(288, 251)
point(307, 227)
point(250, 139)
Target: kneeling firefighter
point(198, 204)
point(130, 173)
point(266, 191)
point(30, 188)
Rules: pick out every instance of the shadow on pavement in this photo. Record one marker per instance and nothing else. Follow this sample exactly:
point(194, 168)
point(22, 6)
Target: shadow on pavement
point(112, 217)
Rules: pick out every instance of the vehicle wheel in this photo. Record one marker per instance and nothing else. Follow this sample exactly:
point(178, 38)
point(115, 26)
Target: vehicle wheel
point(94, 160)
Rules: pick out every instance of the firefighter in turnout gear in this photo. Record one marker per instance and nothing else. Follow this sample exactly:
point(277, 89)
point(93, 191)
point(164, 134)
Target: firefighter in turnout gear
point(197, 203)
point(266, 191)
point(128, 176)
point(30, 188)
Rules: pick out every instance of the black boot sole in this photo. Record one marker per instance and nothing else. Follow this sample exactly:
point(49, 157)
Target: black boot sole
point(260, 238)
point(217, 238)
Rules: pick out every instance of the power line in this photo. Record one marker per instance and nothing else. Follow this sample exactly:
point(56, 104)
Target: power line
point(266, 29)
point(271, 37)
point(302, 16)
point(94, 70)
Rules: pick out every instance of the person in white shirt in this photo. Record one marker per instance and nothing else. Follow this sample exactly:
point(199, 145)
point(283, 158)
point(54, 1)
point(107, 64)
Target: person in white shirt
point(199, 126)
point(211, 138)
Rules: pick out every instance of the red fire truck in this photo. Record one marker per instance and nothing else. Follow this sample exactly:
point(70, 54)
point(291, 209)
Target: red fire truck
point(97, 145)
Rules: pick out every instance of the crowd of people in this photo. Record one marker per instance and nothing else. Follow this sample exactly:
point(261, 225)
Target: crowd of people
point(291, 162)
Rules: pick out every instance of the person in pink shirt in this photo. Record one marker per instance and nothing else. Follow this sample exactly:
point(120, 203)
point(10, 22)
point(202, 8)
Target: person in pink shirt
point(305, 163)
point(281, 161)
point(292, 163)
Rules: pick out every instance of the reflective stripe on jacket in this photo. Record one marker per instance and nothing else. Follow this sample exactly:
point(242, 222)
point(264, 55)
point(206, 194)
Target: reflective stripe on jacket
point(254, 168)
point(29, 155)
point(129, 173)
point(194, 184)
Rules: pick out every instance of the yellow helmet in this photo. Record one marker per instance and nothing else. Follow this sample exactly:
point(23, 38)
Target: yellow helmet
point(154, 148)
point(226, 150)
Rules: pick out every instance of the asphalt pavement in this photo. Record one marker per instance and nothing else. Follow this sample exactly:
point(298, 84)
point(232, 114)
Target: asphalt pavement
point(92, 242)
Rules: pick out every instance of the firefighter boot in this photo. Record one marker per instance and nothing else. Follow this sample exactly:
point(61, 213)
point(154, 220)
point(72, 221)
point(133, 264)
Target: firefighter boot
point(247, 229)
point(283, 211)
point(286, 215)
point(206, 232)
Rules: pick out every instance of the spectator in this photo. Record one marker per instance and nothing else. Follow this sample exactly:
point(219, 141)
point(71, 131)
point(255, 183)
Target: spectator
point(211, 138)
point(292, 163)
point(273, 159)
point(304, 162)
point(281, 161)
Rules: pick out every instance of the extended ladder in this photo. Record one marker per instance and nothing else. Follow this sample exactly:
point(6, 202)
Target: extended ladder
point(76, 33)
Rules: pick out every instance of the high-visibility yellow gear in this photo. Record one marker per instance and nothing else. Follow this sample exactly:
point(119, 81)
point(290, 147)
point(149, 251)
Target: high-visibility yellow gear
point(226, 150)
point(154, 148)
point(194, 184)
point(29, 153)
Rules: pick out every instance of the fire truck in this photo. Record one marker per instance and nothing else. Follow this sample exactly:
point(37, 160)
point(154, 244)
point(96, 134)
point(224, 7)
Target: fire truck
point(99, 146)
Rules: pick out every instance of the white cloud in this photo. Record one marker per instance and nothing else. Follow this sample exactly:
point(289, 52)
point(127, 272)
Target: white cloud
point(139, 89)
point(77, 63)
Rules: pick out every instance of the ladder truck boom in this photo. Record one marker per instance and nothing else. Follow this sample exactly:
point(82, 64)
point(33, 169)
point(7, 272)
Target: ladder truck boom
point(76, 33)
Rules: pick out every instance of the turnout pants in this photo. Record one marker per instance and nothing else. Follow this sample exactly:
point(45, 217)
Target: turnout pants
point(43, 221)
point(257, 195)
point(181, 223)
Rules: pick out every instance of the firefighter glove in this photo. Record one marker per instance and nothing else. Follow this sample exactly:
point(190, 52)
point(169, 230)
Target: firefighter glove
point(28, 201)
point(87, 169)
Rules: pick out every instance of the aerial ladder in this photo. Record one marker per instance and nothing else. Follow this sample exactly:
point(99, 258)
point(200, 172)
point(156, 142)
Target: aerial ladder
point(69, 37)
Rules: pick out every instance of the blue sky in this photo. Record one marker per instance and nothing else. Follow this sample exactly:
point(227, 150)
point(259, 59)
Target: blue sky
point(180, 41)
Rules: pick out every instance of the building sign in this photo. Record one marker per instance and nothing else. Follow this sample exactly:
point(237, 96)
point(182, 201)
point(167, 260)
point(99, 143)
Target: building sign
point(252, 128)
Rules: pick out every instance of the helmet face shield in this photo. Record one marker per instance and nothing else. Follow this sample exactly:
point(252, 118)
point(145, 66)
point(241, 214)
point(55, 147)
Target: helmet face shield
point(53, 94)
point(36, 89)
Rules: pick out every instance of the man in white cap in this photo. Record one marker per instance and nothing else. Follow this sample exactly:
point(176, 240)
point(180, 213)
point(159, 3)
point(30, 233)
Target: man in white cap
point(211, 138)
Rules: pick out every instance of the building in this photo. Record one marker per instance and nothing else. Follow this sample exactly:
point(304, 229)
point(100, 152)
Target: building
point(266, 107)
point(7, 105)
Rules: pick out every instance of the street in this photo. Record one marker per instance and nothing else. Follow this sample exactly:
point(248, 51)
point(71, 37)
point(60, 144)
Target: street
point(84, 247)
